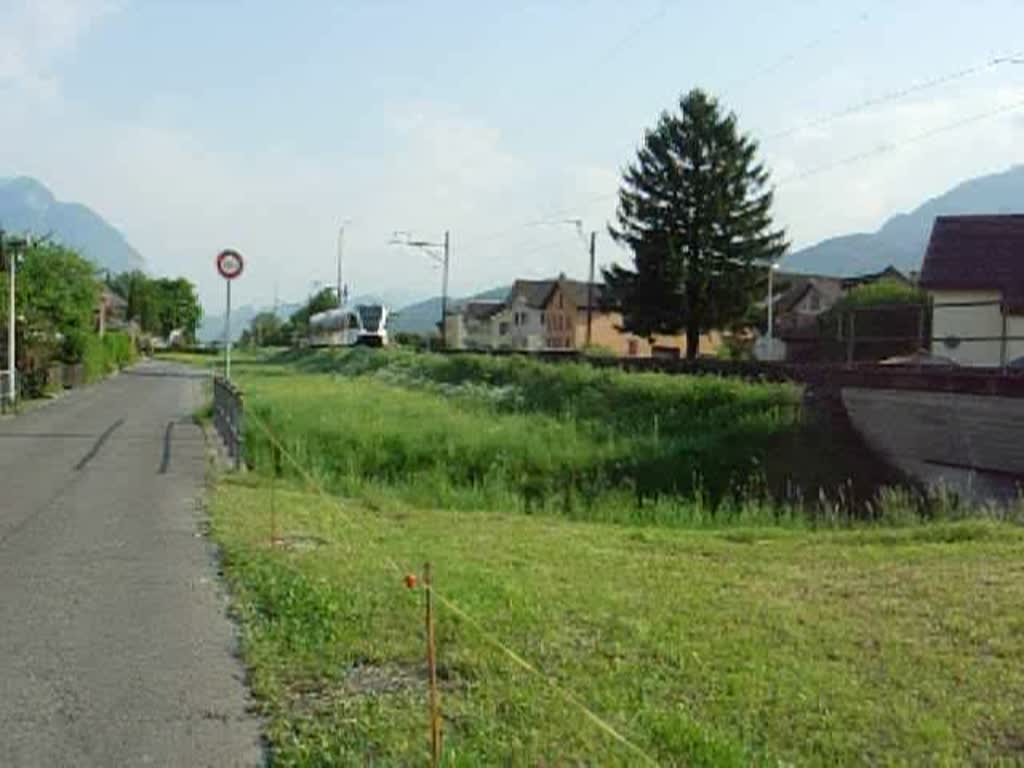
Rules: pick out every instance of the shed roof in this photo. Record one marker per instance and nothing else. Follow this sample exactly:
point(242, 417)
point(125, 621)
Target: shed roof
point(534, 292)
point(977, 253)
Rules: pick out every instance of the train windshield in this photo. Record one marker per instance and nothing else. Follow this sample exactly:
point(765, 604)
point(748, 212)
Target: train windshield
point(371, 315)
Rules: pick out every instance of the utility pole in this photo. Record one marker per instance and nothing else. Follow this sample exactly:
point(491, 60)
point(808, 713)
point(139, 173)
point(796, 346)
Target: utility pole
point(443, 260)
point(444, 293)
point(340, 286)
point(341, 246)
point(590, 289)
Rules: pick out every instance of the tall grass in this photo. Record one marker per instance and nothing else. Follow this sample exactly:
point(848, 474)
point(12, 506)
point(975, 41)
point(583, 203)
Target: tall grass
point(102, 356)
point(472, 432)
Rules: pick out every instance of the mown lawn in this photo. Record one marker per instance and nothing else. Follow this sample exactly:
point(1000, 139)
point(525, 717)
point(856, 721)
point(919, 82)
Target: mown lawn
point(732, 647)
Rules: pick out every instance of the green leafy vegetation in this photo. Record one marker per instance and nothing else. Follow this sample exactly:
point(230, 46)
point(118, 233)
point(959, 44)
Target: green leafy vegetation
point(107, 354)
point(745, 646)
point(474, 432)
point(887, 318)
point(160, 305)
point(743, 633)
point(881, 293)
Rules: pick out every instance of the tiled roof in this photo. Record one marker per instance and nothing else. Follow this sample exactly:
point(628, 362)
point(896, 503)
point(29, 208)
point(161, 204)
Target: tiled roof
point(977, 253)
point(795, 287)
point(576, 291)
point(535, 292)
point(481, 309)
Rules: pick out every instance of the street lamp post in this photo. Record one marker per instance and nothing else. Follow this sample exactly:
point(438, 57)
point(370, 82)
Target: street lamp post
point(11, 246)
point(442, 259)
point(771, 302)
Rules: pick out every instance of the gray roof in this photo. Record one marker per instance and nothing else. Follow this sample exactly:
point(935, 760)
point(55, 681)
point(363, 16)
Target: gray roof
point(977, 253)
point(537, 293)
point(481, 309)
point(534, 292)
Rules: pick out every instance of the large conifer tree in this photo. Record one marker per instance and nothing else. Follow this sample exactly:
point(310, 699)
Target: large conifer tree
point(695, 208)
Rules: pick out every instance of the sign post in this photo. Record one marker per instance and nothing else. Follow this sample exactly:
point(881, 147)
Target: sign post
point(229, 265)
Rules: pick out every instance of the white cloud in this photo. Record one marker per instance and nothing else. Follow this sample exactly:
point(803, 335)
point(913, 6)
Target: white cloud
point(35, 33)
point(179, 198)
point(908, 168)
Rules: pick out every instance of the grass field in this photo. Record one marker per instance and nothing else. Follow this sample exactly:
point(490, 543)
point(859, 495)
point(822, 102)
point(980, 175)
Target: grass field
point(738, 647)
point(731, 631)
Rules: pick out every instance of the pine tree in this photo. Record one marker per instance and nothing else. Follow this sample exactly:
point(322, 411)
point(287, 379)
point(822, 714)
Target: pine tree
point(695, 208)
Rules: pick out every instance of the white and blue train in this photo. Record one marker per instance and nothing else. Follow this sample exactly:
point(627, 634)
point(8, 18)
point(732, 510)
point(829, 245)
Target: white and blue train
point(350, 326)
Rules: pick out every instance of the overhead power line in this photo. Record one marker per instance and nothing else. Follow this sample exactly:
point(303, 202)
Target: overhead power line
point(788, 58)
point(897, 145)
point(557, 216)
point(890, 96)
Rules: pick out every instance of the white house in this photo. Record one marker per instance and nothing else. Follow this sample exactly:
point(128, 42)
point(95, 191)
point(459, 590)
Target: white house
point(522, 323)
point(474, 325)
point(974, 273)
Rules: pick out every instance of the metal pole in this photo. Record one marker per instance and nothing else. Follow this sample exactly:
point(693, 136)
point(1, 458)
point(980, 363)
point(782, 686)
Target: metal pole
point(444, 295)
point(851, 338)
point(771, 304)
point(590, 289)
point(12, 329)
point(341, 245)
point(227, 336)
point(1002, 341)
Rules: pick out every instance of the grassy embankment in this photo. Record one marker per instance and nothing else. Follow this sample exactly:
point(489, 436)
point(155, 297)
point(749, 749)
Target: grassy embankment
point(744, 644)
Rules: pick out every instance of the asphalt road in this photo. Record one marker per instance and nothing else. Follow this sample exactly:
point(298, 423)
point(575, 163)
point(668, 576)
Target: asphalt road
point(115, 647)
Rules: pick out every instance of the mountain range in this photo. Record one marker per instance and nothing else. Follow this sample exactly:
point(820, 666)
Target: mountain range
point(902, 239)
point(423, 316)
point(28, 207)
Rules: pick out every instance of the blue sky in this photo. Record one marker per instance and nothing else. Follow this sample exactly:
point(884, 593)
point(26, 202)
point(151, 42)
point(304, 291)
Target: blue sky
point(262, 125)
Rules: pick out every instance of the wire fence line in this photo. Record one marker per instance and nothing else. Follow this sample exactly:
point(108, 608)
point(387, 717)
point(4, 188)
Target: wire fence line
point(911, 328)
point(449, 603)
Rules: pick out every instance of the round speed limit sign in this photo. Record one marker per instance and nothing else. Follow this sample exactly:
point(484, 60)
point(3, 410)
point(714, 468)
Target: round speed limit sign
point(230, 264)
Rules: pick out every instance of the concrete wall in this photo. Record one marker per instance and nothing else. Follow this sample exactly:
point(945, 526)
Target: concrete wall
point(968, 443)
point(963, 322)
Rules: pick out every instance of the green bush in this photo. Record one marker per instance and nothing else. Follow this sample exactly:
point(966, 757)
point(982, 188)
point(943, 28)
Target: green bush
point(102, 356)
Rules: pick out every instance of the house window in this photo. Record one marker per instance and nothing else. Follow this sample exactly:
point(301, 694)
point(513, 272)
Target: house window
point(502, 329)
point(633, 347)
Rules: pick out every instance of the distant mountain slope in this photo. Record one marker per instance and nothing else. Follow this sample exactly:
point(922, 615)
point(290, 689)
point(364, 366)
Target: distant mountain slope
point(26, 206)
point(212, 326)
point(902, 239)
point(423, 316)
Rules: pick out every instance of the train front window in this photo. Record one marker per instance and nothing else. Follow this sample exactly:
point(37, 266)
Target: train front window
point(371, 316)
